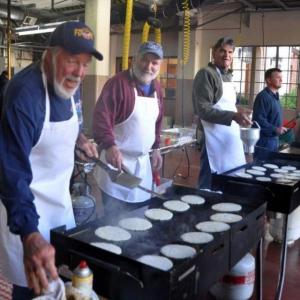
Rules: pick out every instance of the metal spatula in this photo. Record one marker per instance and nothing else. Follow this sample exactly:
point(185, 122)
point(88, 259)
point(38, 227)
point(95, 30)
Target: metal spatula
point(126, 171)
point(125, 179)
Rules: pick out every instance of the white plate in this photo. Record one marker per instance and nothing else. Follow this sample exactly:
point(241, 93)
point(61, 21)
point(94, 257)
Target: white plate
point(210, 226)
point(193, 199)
point(283, 171)
point(176, 205)
point(243, 174)
point(271, 166)
point(263, 178)
point(196, 237)
point(137, 224)
point(289, 168)
point(276, 175)
point(158, 214)
point(112, 233)
point(226, 217)
point(226, 207)
point(258, 168)
point(255, 172)
point(178, 251)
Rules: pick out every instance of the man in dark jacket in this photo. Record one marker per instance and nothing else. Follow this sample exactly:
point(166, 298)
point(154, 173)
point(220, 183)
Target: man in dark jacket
point(267, 112)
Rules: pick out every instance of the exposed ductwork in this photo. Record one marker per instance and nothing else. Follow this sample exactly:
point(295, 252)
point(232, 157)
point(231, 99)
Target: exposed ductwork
point(16, 14)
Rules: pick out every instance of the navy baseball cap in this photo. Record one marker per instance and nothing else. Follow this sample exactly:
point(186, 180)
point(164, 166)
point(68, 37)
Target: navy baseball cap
point(75, 37)
point(151, 47)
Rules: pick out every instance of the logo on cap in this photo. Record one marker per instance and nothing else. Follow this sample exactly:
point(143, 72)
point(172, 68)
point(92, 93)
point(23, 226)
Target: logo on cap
point(84, 33)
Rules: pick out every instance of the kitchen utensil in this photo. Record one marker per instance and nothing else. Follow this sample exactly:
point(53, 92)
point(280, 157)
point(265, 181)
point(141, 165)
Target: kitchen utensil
point(119, 177)
point(292, 121)
point(126, 171)
point(250, 136)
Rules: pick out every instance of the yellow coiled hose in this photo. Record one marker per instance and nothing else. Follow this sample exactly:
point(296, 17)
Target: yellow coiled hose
point(126, 38)
point(151, 22)
point(186, 32)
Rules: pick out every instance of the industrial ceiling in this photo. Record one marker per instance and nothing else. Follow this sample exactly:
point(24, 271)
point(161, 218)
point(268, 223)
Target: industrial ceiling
point(169, 12)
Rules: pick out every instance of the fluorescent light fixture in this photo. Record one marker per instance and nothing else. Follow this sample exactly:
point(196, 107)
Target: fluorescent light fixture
point(36, 29)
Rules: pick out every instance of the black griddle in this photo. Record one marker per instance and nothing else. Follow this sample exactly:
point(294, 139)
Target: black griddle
point(123, 277)
point(281, 197)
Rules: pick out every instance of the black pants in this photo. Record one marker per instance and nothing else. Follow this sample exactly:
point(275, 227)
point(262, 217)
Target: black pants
point(204, 180)
point(22, 293)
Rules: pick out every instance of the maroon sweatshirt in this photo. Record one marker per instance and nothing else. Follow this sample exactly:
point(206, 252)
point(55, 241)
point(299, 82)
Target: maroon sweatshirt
point(116, 103)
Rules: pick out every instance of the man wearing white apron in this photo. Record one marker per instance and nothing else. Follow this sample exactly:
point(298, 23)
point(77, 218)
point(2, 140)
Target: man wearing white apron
point(38, 135)
point(214, 100)
point(126, 126)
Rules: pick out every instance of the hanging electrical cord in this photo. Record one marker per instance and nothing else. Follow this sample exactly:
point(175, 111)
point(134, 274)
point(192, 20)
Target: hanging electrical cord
point(186, 32)
point(126, 38)
point(152, 23)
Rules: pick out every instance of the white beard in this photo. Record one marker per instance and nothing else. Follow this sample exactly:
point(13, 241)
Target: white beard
point(58, 86)
point(142, 76)
point(61, 92)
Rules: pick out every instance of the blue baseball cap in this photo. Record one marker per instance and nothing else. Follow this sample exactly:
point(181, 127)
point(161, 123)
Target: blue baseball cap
point(151, 47)
point(75, 37)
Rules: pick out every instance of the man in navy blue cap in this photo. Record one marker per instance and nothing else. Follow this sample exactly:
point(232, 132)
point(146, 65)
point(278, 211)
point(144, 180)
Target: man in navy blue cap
point(39, 130)
point(126, 126)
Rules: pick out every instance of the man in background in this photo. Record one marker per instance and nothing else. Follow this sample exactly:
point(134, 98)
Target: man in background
point(214, 100)
point(126, 126)
point(267, 112)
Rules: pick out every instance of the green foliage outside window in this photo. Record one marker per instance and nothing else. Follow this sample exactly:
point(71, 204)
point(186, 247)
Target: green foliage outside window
point(289, 100)
point(242, 99)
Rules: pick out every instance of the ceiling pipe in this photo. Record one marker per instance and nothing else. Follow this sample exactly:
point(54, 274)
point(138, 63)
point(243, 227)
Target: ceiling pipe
point(15, 13)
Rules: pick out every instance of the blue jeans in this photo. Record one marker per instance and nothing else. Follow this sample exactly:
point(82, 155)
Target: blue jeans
point(22, 293)
point(204, 179)
point(264, 145)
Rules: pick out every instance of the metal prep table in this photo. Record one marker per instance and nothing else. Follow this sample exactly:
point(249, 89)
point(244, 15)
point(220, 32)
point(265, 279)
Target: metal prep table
point(280, 197)
point(118, 276)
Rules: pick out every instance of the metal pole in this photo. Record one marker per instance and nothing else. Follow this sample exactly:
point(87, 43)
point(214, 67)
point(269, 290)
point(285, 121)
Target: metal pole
point(8, 37)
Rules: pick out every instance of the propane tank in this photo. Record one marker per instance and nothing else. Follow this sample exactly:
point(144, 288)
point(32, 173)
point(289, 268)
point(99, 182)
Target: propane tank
point(82, 278)
point(293, 227)
point(238, 284)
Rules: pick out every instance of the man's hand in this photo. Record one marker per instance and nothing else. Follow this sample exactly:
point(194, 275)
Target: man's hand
point(243, 118)
point(39, 262)
point(156, 160)
point(114, 157)
point(281, 130)
point(88, 148)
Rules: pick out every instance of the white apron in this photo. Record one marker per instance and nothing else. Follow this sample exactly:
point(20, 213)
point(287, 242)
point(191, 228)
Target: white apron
point(52, 163)
point(223, 143)
point(134, 137)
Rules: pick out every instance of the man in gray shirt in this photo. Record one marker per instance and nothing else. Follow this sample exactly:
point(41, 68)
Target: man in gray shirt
point(214, 101)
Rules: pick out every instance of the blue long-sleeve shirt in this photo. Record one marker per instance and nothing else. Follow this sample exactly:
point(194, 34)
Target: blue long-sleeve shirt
point(267, 112)
point(20, 129)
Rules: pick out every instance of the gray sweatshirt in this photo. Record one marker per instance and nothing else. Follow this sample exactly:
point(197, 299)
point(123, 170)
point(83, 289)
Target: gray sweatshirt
point(207, 91)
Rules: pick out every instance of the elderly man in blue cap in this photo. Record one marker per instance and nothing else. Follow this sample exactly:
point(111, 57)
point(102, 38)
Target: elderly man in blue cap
point(38, 133)
point(126, 126)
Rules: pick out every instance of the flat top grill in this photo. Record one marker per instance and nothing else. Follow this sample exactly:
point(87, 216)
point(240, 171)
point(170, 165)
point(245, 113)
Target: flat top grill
point(281, 196)
point(293, 182)
point(224, 251)
point(163, 232)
